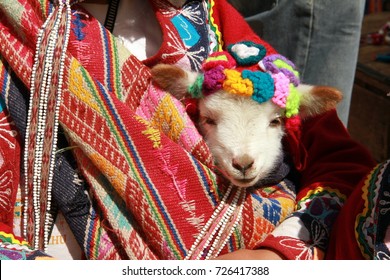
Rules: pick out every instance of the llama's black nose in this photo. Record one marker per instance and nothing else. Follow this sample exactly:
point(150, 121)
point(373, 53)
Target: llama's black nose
point(243, 163)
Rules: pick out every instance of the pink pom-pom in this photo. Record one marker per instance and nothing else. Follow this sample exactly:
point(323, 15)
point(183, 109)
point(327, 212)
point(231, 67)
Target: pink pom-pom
point(282, 88)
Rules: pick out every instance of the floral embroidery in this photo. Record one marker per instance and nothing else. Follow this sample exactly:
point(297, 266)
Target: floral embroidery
point(195, 57)
point(187, 33)
point(305, 250)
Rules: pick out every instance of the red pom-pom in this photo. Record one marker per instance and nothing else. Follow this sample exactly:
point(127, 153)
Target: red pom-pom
point(293, 124)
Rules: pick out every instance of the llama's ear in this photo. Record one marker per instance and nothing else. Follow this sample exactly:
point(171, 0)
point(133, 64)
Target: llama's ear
point(173, 79)
point(316, 100)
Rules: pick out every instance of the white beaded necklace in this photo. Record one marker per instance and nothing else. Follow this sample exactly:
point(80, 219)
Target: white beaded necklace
point(219, 228)
point(35, 179)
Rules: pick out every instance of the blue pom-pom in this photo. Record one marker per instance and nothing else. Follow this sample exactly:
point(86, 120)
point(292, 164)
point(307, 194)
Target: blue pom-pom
point(263, 85)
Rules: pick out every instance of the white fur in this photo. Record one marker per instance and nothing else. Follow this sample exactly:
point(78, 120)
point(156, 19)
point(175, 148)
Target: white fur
point(241, 133)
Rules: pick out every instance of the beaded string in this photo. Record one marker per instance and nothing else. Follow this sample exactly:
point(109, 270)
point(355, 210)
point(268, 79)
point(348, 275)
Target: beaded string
point(36, 225)
point(224, 233)
point(204, 230)
point(29, 117)
point(42, 113)
point(56, 116)
point(224, 236)
point(219, 227)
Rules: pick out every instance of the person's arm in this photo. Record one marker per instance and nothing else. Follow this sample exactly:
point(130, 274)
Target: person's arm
point(334, 165)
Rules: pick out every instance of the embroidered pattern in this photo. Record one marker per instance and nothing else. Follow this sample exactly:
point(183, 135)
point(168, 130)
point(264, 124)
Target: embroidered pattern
point(7, 134)
point(5, 190)
point(371, 231)
point(187, 33)
point(215, 35)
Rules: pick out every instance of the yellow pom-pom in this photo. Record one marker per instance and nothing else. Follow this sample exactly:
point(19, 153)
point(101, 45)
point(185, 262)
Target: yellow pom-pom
point(234, 83)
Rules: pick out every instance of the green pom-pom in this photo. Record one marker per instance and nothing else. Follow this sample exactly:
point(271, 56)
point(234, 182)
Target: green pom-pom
point(293, 101)
point(195, 90)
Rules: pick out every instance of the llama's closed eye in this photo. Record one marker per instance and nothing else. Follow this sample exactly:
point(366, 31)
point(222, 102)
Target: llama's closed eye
point(208, 120)
point(276, 122)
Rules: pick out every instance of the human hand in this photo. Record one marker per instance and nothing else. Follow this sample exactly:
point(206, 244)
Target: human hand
point(245, 254)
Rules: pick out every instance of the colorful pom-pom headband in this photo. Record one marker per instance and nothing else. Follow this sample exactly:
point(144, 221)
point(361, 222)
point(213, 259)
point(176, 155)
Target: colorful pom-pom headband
point(274, 76)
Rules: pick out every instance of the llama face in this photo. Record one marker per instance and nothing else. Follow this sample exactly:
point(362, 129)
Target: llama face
point(244, 136)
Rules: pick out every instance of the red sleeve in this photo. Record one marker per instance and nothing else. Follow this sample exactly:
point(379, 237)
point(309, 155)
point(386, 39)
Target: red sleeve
point(332, 157)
